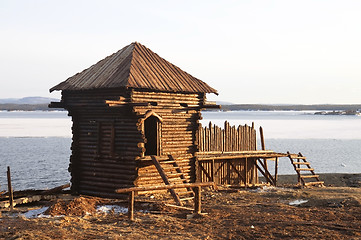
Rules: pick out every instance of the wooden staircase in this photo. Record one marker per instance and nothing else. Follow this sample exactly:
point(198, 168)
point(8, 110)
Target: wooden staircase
point(171, 173)
point(306, 174)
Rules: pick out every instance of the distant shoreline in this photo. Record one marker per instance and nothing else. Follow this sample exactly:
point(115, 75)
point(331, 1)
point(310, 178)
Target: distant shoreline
point(292, 107)
point(233, 107)
point(27, 107)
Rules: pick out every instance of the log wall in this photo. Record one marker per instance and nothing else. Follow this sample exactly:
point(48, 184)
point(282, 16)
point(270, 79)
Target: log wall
point(105, 142)
point(180, 115)
point(108, 145)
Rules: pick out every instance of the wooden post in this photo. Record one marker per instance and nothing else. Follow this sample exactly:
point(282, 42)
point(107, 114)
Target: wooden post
point(276, 171)
point(10, 190)
point(245, 173)
point(263, 146)
point(213, 171)
point(197, 200)
point(131, 206)
point(262, 138)
point(165, 179)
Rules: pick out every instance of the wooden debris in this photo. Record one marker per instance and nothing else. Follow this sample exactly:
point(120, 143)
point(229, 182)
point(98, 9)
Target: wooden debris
point(56, 189)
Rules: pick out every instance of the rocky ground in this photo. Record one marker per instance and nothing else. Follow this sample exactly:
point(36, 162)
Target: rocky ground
point(332, 212)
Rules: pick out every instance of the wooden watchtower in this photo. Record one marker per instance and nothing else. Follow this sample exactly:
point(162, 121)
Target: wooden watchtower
point(126, 108)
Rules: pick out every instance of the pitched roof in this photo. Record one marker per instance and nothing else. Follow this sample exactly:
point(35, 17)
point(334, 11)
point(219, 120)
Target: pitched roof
point(135, 66)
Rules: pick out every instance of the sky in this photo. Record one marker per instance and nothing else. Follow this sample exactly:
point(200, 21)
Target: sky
point(260, 52)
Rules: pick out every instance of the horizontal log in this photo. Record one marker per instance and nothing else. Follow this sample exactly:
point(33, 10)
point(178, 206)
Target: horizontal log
point(101, 184)
point(102, 194)
point(147, 97)
point(107, 175)
point(162, 187)
point(119, 156)
point(109, 162)
point(158, 94)
point(103, 169)
point(108, 180)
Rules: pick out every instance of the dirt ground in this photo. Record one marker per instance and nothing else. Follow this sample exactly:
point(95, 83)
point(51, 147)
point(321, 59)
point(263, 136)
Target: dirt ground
point(329, 212)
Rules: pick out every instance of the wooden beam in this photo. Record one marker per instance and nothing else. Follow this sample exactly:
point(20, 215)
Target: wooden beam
point(236, 170)
point(205, 171)
point(56, 189)
point(165, 179)
point(164, 187)
point(265, 173)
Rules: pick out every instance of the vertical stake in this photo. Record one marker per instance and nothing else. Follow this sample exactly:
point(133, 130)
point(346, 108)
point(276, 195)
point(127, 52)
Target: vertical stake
point(10, 190)
point(276, 171)
point(131, 206)
point(197, 200)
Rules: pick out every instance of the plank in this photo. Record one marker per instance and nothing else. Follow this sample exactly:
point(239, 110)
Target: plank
point(165, 179)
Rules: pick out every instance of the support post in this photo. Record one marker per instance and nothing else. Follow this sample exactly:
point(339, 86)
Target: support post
point(213, 171)
point(263, 146)
point(197, 200)
point(276, 171)
point(131, 206)
point(10, 190)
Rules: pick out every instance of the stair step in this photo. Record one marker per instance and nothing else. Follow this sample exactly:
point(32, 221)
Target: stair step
point(314, 183)
point(301, 163)
point(298, 157)
point(186, 199)
point(170, 175)
point(167, 167)
point(185, 193)
point(167, 161)
point(305, 169)
point(177, 182)
point(309, 176)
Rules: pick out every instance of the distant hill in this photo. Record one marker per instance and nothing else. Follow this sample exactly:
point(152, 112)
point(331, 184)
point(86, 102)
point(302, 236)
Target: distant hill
point(27, 104)
point(41, 103)
point(28, 100)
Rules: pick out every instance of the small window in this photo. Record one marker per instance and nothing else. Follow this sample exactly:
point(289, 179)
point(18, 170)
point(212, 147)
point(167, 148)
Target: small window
point(152, 135)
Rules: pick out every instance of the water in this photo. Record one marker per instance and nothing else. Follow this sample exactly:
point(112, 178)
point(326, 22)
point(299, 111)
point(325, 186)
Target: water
point(36, 145)
point(36, 163)
point(331, 143)
point(292, 124)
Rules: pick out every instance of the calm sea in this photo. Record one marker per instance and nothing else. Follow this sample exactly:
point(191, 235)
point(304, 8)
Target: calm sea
point(36, 145)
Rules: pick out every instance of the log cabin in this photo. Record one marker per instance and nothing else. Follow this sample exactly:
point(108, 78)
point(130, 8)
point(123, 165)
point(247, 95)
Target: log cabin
point(128, 110)
point(136, 123)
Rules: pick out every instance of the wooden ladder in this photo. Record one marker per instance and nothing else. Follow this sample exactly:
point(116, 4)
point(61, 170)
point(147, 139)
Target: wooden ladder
point(171, 173)
point(300, 165)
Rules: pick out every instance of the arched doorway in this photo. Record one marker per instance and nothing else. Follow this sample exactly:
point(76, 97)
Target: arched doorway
point(152, 135)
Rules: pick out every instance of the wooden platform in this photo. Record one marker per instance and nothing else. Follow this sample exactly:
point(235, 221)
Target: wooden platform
point(238, 168)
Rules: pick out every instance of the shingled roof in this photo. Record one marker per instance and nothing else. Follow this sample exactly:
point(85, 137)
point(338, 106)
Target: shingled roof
point(135, 66)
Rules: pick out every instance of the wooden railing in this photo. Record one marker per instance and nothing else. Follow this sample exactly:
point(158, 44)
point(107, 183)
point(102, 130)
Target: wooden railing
point(196, 186)
point(228, 139)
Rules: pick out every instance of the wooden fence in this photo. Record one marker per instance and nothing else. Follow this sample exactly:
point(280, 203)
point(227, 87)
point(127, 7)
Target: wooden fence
point(228, 139)
point(215, 144)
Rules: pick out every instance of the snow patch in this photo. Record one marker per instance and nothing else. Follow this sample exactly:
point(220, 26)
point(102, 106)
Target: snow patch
point(297, 202)
point(111, 208)
point(35, 213)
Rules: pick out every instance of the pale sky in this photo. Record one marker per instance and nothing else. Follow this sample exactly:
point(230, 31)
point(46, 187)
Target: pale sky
point(263, 51)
